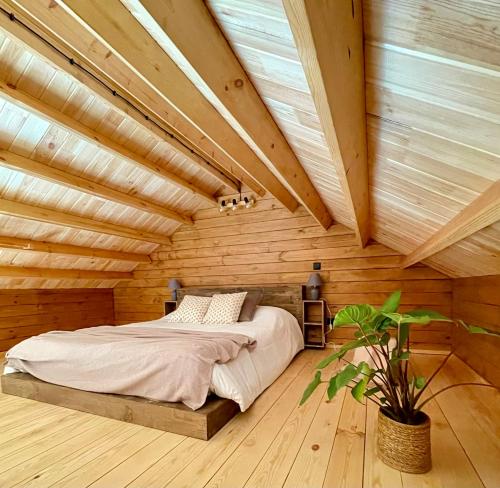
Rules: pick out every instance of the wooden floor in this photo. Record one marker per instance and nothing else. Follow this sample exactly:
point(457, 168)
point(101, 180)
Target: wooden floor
point(273, 444)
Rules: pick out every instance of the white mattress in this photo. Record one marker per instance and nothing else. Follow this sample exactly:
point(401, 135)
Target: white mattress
point(279, 339)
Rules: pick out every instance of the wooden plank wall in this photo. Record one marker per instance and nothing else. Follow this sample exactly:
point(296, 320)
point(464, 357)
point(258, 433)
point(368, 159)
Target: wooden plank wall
point(24, 313)
point(269, 245)
point(477, 301)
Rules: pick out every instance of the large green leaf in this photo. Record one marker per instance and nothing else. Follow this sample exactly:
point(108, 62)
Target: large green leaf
point(404, 318)
point(341, 379)
point(360, 388)
point(391, 305)
point(431, 314)
point(381, 323)
point(354, 314)
point(474, 329)
point(311, 387)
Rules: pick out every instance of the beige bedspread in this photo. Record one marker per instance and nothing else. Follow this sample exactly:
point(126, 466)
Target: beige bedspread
point(160, 364)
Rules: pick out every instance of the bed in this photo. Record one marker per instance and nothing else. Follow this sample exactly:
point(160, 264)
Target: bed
point(234, 385)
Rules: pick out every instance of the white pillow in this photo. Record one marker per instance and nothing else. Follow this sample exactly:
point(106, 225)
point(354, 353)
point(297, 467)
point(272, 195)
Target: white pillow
point(225, 308)
point(191, 310)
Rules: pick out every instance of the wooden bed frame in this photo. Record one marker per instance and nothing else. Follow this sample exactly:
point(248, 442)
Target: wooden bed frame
point(171, 417)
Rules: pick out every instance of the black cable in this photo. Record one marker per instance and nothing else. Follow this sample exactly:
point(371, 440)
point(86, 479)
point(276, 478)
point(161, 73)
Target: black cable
point(71, 61)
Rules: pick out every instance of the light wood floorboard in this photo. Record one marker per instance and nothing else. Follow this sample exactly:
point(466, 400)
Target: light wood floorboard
point(273, 444)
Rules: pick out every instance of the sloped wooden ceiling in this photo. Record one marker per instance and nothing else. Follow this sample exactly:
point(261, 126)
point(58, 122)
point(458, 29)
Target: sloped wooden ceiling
point(432, 75)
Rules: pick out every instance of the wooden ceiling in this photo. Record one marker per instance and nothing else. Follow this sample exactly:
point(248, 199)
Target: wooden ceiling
point(260, 93)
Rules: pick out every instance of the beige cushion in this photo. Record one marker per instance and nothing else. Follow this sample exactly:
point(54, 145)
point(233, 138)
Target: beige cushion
point(192, 309)
point(225, 308)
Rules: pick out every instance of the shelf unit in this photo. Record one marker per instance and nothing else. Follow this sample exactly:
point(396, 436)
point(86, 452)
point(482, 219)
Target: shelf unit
point(315, 321)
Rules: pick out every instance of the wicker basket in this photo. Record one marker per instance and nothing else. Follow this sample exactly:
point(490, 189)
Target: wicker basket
point(404, 447)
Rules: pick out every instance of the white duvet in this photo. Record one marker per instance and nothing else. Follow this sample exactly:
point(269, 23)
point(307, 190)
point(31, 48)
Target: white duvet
point(243, 379)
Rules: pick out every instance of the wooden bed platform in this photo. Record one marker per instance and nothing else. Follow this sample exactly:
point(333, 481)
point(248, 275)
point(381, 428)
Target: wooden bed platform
point(170, 417)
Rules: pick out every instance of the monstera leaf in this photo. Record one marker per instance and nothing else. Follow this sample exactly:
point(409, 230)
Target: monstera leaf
point(431, 314)
point(311, 387)
point(359, 390)
point(354, 314)
point(341, 379)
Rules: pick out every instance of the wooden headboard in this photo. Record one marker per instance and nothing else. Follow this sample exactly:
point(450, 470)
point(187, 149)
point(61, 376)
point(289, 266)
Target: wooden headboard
point(288, 297)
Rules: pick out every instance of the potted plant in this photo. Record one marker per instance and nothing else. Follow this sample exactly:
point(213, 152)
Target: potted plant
point(387, 378)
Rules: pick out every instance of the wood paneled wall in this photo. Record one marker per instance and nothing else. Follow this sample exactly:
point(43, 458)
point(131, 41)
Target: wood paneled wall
point(268, 245)
point(477, 302)
point(24, 313)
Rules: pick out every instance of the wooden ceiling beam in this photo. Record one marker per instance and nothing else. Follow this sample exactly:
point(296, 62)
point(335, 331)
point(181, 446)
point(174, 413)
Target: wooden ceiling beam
point(124, 53)
point(40, 214)
point(23, 244)
point(329, 39)
point(36, 106)
point(191, 29)
point(54, 175)
point(36, 46)
point(481, 212)
point(64, 274)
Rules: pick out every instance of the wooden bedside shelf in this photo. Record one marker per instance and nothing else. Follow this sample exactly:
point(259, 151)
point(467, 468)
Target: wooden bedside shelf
point(314, 323)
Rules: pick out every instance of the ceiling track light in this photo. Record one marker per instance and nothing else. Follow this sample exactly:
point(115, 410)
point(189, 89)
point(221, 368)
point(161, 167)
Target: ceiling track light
point(234, 204)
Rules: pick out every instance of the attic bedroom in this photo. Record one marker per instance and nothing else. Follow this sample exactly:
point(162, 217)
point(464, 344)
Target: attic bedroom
point(249, 243)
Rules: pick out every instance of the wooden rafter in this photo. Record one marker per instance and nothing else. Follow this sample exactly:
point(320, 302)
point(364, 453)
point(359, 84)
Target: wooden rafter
point(20, 244)
point(190, 27)
point(481, 212)
point(39, 48)
point(39, 214)
point(329, 38)
point(66, 34)
point(135, 63)
point(34, 105)
point(43, 171)
point(58, 273)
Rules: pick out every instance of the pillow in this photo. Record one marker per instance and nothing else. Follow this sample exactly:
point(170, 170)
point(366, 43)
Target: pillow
point(225, 308)
point(250, 306)
point(192, 309)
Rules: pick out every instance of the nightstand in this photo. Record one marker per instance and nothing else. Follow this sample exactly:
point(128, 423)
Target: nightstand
point(314, 322)
point(170, 306)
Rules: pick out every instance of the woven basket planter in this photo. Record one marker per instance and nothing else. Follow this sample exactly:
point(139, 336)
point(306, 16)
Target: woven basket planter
point(404, 447)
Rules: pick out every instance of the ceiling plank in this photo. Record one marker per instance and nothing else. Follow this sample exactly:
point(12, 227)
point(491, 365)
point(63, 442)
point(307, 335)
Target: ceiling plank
point(58, 273)
point(34, 105)
point(40, 214)
point(329, 39)
point(38, 47)
point(192, 30)
point(22, 244)
point(481, 212)
point(54, 175)
point(133, 61)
